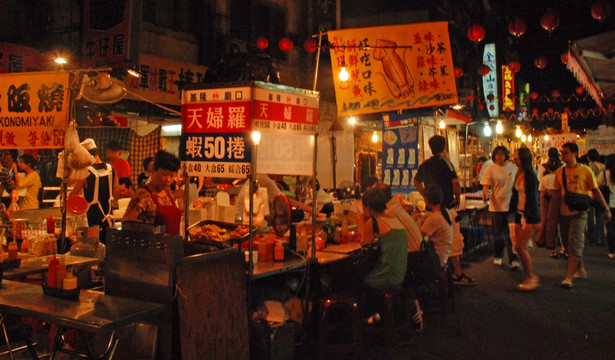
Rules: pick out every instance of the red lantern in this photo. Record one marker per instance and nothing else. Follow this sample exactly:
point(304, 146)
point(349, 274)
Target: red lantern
point(535, 111)
point(310, 45)
point(564, 58)
point(567, 109)
point(522, 110)
point(262, 43)
point(470, 98)
point(285, 44)
point(579, 90)
point(483, 70)
point(555, 93)
point(481, 106)
point(491, 107)
point(550, 110)
point(534, 95)
point(601, 10)
point(514, 66)
point(517, 26)
point(458, 72)
point(476, 33)
point(541, 62)
point(549, 20)
point(490, 97)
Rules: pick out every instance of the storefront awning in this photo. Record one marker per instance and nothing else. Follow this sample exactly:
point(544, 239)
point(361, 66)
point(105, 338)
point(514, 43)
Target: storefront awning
point(592, 62)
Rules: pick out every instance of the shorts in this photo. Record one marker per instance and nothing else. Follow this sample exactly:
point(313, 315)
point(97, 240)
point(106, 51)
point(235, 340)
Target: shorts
point(572, 228)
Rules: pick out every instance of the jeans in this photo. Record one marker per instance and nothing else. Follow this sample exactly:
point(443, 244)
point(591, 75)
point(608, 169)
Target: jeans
point(502, 236)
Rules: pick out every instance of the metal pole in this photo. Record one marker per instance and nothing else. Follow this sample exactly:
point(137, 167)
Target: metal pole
point(317, 60)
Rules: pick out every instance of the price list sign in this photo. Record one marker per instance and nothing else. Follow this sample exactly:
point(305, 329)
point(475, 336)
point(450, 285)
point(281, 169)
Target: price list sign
point(215, 140)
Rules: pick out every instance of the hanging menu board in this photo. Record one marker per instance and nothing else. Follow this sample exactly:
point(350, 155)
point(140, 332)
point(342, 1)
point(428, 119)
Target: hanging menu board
point(400, 155)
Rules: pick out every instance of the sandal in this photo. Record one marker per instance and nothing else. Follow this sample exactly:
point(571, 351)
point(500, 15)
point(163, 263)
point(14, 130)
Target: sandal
point(566, 283)
point(418, 317)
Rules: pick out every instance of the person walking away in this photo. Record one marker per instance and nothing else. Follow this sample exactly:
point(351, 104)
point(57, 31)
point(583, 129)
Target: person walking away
point(439, 170)
point(580, 180)
point(548, 235)
point(527, 217)
point(499, 177)
point(595, 225)
point(98, 190)
point(607, 178)
point(32, 181)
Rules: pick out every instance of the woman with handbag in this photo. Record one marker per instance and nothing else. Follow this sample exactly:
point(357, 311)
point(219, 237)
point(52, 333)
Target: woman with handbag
point(437, 225)
point(527, 217)
point(606, 181)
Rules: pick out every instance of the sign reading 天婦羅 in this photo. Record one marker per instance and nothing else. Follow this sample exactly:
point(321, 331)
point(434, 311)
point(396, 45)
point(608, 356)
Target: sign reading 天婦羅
point(216, 125)
point(393, 68)
point(33, 110)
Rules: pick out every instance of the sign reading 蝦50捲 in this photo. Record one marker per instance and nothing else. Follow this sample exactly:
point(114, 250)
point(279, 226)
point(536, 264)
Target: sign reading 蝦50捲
point(33, 109)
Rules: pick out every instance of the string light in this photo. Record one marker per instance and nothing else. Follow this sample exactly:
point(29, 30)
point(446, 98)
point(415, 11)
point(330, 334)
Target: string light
point(523, 138)
point(352, 120)
point(375, 137)
point(546, 137)
point(442, 124)
point(499, 128)
point(487, 130)
point(518, 132)
point(256, 137)
point(529, 138)
point(344, 73)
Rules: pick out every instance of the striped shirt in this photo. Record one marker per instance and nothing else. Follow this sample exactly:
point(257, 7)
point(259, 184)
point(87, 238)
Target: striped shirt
point(5, 180)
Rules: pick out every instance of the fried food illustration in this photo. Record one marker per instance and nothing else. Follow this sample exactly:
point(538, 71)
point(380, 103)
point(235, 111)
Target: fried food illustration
point(397, 75)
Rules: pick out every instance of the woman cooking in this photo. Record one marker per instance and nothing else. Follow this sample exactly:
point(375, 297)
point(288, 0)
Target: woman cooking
point(153, 203)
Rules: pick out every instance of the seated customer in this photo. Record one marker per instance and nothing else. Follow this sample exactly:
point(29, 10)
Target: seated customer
point(395, 209)
point(125, 190)
point(437, 224)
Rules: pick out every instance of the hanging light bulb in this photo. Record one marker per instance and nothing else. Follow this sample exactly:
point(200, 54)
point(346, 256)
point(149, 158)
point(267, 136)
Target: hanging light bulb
point(546, 137)
point(529, 138)
point(487, 130)
point(352, 120)
point(256, 137)
point(442, 124)
point(375, 137)
point(523, 138)
point(60, 60)
point(344, 73)
point(518, 132)
point(499, 128)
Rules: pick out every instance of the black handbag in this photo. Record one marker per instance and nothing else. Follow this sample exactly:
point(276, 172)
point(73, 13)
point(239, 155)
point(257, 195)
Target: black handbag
point(575, 201)
point(365, 258)
point(423, 265)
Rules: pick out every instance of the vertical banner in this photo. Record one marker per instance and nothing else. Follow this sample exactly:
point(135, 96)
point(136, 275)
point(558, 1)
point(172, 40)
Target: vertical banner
point(490, 81)
point(215, 139)
point(393, 68)
point(508, 89)
point(33, 110)
point(400, 155)
point(106, 38)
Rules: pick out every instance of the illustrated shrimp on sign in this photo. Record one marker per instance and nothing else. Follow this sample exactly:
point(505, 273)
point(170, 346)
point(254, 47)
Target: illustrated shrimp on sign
point(397, 75)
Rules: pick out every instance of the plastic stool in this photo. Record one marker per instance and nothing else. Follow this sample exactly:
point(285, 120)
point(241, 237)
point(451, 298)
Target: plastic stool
point(339, 312)
point(397, 311)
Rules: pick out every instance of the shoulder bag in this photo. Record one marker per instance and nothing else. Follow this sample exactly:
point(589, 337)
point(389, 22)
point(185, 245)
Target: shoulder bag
point(365, 258)
point(423, 265)
point(575, 201)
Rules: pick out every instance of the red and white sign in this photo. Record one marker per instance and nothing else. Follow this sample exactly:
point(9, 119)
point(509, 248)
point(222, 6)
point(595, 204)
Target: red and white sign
point(281, 112)
point(106, 39)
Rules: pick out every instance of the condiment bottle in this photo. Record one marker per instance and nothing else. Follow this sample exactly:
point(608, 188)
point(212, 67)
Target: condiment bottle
point(12, 250)
point(70, 281)
point(52, 272)
point(51, 225)
point(278, 252)
point(270, 249)
point(24, 245)
point(60, 273)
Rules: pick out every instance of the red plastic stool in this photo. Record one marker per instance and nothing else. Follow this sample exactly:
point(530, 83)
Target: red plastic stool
point(338, 314)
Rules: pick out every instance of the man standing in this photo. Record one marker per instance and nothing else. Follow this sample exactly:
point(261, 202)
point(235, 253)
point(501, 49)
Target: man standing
point(121, 166)
point(98, 189)
point(576, 178)
point(439, 170)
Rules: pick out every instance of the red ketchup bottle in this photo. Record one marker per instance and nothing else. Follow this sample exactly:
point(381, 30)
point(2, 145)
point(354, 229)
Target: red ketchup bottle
point(52, 271)
point(51, 225)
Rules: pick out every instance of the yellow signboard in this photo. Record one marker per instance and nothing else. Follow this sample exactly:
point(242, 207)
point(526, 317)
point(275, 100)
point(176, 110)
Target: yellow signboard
point(33, 109)
point(393, 68)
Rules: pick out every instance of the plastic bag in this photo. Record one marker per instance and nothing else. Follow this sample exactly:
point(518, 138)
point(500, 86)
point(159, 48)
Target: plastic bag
point(77, 159)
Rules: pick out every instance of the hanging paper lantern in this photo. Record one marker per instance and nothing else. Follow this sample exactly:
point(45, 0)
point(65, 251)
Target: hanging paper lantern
point(491, 107)
point(476, 33)
point(541, 62)
point(483, 70)
point(534, 95)
point(490, 97)
point(601, 10)
point(285, 44)
point(522, 110)
point(534, 111)
point(550, 110)
point(310, 45)
point(262, 43)
point(514, 66)
point(555, 93)
point(549, 20)
point(579, 90)
point(458, 72)
point(564, 58)
point(567, 109)
point(517, 26)
point(470, 98)
point(481, 106)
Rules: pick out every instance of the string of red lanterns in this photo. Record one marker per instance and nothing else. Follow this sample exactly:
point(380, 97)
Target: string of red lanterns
point(549, 20)
point(601, 10)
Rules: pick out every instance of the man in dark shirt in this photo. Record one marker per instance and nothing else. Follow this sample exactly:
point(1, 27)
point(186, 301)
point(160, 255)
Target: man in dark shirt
point(439, 170)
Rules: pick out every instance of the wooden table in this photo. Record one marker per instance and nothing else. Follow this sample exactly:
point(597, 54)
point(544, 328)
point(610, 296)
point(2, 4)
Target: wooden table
point(93, 312)
point(39, 265)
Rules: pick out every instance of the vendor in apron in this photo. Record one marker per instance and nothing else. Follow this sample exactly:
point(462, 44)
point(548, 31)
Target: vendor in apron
point(98, 190)
point(154, 203)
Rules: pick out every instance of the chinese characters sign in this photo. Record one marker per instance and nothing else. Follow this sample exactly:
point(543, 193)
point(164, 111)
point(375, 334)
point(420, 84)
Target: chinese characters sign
point(33, 110)
point(285, 112)
point(106, 39)
point(508, 89)
point(162, 79)
point(215, 138)
point(400, 152)
point(14, 58)
point(490, 81)
point(393, 68)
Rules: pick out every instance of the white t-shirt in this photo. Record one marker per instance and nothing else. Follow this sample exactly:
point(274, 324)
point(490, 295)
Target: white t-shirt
point(483, 168)
point(546, 183)
point(441, 232)
point(603, 181)
point(501, 180)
